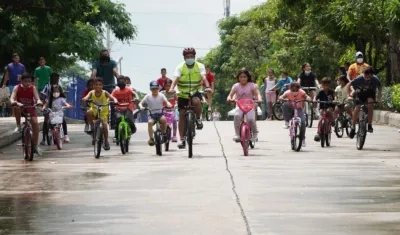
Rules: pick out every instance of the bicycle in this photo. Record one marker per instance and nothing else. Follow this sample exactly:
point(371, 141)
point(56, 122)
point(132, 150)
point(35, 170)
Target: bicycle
point(123, 130)
point(362, 125)
point(296, 127)
point(246, 134)
point(55, 125)
point(342, 122)
point(158, 135)
point(28, 147)
point(277, 110)
point(170, 116)
point(324, 127)
point(98, 131)
point(309, 115)
point(205, 112)
point(190, 118)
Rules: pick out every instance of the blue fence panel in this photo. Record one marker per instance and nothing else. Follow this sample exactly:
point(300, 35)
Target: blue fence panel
point(74, 94)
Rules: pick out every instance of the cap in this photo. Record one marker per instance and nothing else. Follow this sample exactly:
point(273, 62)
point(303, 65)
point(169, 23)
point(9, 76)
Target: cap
point(153, 84)
point(359, 54)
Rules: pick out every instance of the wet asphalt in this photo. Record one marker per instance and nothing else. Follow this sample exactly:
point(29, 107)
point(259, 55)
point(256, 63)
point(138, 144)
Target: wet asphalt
point(336, 190)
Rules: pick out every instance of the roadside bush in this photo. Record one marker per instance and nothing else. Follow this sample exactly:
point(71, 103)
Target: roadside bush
point(387, 98)
point(396, 96)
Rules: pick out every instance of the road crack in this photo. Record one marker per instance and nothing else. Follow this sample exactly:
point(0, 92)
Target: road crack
point(244, 217)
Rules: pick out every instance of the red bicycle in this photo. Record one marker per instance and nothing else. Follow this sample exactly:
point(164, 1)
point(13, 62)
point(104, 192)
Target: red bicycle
point(325, 127)
point(246, 134)
point(28, 147)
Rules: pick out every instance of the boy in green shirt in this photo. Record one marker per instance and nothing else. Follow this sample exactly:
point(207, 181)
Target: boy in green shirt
point(42, 74)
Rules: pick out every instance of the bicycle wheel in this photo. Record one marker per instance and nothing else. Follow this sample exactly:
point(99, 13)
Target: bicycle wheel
point(29, 147)
point(298, 136)
point(361, 134)
point(49, 138)
point(277, 111)
point(322, 132)
point(189, 127)
point(311, 115)
point(245, 137)
point(158, 140)
point(339, 130)
point(208, 115)
point(121, 138)
point(98, 140)
point(166, 144)
point(347, 125)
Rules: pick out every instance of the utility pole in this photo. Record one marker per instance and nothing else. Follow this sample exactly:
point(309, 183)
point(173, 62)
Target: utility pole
point(227, 8)
point(120, 65)
point(108, 39)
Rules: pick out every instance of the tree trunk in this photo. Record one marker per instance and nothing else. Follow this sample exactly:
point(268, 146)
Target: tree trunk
point(394, 56)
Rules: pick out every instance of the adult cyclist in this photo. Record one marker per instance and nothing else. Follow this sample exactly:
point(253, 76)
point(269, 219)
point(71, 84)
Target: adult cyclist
point(307, 78)
point(189, 76)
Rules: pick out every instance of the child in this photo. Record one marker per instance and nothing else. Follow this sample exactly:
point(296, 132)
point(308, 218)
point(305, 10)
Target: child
point(98, 95)
point(155, 102)
point(128, 83)
point(284, 83)
point(326, 95)
point(244, 89)
point(44, 95)
point(89, 87)
point(269, 83)
point(172, 98)
point(55, 102)
point(341, 96)
point(294, 93)
point(27, 94)
point(124, 95)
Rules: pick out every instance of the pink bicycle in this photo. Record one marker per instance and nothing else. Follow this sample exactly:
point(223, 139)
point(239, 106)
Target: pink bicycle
point(170, 116)
point(296, 128)
point(246, 105)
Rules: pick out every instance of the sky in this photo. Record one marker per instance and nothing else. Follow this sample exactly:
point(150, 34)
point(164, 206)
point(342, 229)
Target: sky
point(169, 24)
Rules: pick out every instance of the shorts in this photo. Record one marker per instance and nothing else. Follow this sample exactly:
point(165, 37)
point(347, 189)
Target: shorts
point(103, 114)
point(183, 102)
point(271, 96)
point(362, 98)
point(32, 111)
point(155, 116)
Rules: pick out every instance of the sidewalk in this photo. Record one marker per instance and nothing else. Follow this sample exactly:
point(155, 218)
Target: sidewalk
point(7, 135)
point(387, 118)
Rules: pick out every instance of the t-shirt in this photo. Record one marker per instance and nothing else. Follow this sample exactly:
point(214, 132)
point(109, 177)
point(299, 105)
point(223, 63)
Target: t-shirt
point(244, 92)
point(270, 83)
point(210, 78)
point(124, 96)
point(326, 96)
point(281, 84)
point(356, 70)
point(155, 104)
point(292, 97)
point(307, 80)
point(14, 70)
point(43, 76)
point(106, 72)
point(341, 94)
point(161, 82)
point(58, 103)
point(368, 86)
point(178, 70)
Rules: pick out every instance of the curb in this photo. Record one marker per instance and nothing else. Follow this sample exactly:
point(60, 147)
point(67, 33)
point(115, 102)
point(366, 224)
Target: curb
point(386, 117)
point(10, 137)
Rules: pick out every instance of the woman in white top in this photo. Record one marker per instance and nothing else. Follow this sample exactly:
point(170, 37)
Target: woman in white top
point(269, 83)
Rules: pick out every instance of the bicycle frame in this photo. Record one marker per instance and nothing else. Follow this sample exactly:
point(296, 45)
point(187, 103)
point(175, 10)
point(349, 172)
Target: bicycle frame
point(123, 123)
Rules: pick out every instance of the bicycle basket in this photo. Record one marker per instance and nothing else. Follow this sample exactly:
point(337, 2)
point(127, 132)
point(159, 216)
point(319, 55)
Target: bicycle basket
point(246, 105)
point(56, 117)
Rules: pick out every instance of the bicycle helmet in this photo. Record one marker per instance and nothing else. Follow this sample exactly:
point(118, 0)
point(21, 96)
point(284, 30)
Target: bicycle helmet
point(189, 50)
point(153, 85)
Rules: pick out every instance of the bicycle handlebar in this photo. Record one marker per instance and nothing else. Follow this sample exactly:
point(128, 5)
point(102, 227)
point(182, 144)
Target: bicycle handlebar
point(309, 88)
point(296, 101)
point(151, 113)
point(123, 104)
point(27, 106)
point(99, 105)
point(190, 93)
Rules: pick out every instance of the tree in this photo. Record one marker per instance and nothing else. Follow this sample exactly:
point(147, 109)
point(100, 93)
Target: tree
point(61, 31)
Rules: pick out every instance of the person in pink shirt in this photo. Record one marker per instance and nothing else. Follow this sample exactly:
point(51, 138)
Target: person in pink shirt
point(163, 79)
point(244, 89)
point(294, 93)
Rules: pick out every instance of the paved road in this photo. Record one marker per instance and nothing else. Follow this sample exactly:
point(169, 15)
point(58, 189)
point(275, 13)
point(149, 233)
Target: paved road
point(339, 190)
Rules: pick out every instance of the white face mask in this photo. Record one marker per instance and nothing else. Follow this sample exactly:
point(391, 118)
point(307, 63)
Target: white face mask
point(360, 60)
point(56, 94)
point(294, 93)
point(307, 72)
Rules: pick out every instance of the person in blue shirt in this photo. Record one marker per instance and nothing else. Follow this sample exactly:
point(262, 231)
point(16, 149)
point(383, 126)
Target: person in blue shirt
point(283, 83)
